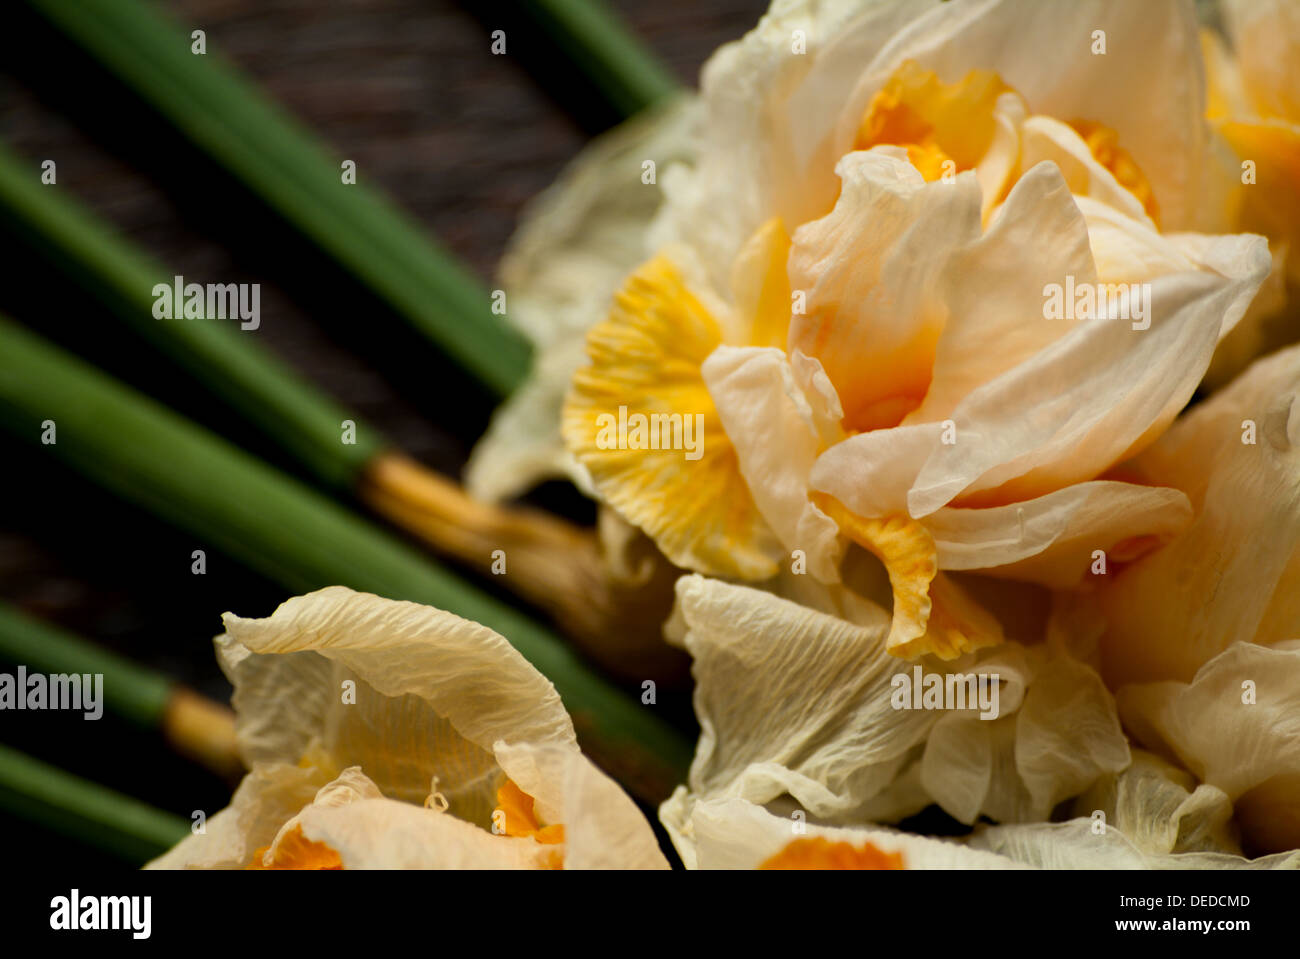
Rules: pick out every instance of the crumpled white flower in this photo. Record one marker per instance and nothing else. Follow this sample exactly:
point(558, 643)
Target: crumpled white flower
point(1236, 725)
point(800, 703)
point(383, 734)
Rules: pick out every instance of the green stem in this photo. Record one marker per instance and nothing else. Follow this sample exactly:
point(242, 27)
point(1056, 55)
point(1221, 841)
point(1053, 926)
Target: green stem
point(283, 529)
point(132, 691)
point(304, 421)
point(94, 814)
point(215, 108)
point(625, 72)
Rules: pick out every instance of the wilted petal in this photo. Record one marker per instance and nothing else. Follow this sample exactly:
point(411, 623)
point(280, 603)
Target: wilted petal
point(1052, 539)
point(1098, 394)
point(1161, 809)
point(575, 244)
point(603, 828)
point(791, 700)
point(870, 270)
point(1057, 732)
point(433, 692)
point(774, 428)
point(267, 797)
point(1075, 845)
point(771, 123)
point(737, 834)
point(1234, 574)
point(387, 834)
point(1235, 726)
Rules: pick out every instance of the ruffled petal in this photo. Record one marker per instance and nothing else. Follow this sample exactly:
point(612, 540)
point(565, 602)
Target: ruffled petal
point(1237, 727)
point(1099, 394)
point(791, 700)
point(870, 270)
point(994, 289)
point(683, 488)
point(775, 430)
point(1056, 733)
point(1152, 47)
point(772, 116)
point(432, 693)
point(738, 834)
point(1234, 573)
point(270, 795)
point(1053, 539)
point(603, 828)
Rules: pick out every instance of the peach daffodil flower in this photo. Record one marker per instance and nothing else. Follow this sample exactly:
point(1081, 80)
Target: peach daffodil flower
point(851, 298)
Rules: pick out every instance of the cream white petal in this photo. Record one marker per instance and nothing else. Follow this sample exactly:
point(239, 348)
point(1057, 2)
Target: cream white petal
point(791, 700)
point(575, 244)
point(1151, 47)
point(1046, 139)
point(1098, 394)
point(1161, 808)
point(1235, 726)
point(1075, 845)
point(1234, 574)
point(603, 828)
point(871, 473)
point(771, 423)
point(433, 692)
point(267, 797)
point(772, 113)
point(1052, 539)
point(1059, 738)
point(737, 834)
point(1266, 39)
point(994, 289)
point(870, 270)
point(387, 834)
point(1126, 250)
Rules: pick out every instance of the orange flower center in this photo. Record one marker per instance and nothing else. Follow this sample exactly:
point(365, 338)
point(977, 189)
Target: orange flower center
point(821, 853)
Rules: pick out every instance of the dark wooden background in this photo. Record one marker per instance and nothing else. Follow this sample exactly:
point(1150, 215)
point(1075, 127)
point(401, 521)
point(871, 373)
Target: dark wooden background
point(461, 139)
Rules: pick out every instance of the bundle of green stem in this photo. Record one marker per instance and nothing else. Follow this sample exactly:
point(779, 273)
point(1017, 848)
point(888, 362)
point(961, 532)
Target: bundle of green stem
point(292, 534)
point(197, 727)
point(554, 565)
point(99, 817)
point(267, 520)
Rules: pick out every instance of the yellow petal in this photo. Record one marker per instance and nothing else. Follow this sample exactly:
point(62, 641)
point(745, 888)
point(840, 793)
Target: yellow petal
point(761, 285)
point(820, 853)
point(934, 121)
point(645, 363)
point(1106, 150)
point(932, 613)
point(1270, 205)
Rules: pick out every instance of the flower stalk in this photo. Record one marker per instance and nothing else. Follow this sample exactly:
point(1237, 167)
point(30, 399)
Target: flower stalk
point(208, 102)
point(84, 810)
point(277, 526)
point(197, 727)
